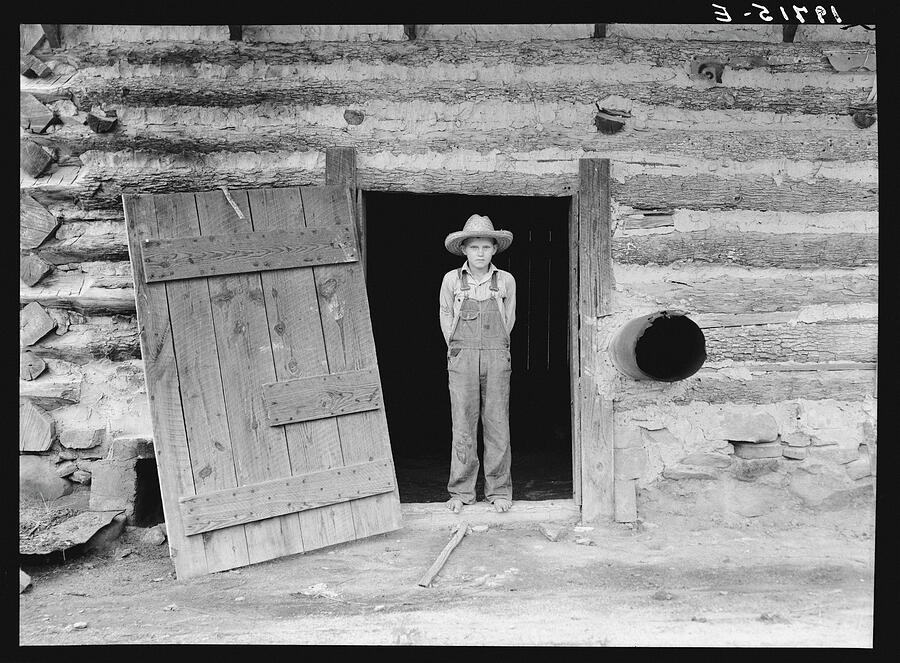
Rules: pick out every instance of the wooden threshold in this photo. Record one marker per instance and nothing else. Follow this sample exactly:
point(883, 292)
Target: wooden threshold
point(428, 515)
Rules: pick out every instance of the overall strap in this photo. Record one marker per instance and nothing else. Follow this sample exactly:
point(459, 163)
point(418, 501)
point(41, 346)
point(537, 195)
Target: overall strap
point(461, 276)
point(494, 282)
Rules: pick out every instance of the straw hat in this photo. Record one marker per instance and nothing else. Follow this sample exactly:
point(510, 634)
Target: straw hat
point(477, 226)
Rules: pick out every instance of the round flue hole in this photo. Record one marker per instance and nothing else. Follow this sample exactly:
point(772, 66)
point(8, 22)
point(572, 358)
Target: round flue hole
point(671, 348)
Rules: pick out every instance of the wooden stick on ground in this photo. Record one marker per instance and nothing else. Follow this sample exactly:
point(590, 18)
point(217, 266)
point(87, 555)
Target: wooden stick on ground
point(461, 531)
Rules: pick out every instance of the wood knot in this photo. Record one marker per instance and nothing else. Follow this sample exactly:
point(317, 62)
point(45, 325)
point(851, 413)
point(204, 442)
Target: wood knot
point(708, 69)
point(354, 117)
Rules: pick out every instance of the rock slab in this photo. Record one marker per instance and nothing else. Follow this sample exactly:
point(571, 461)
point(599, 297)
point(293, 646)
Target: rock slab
point(38, 478)
point(757, 427)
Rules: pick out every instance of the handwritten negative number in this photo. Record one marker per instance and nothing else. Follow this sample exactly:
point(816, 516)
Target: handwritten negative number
point(721, 14)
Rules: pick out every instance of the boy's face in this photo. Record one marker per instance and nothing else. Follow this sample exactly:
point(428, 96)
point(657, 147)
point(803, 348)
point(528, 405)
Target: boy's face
point(479, 251)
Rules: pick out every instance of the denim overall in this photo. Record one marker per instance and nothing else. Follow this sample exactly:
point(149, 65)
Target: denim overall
point(479, 366)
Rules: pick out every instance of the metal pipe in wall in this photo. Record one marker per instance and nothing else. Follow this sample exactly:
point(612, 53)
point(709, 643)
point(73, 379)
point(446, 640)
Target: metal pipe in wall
point(673, 350)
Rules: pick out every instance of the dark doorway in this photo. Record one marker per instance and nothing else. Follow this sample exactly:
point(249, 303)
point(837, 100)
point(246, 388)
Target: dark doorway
point(405, 261)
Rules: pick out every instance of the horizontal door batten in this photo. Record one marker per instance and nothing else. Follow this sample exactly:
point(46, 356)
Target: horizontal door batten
point(268, 499)
point(216, 255)
point(321, 396)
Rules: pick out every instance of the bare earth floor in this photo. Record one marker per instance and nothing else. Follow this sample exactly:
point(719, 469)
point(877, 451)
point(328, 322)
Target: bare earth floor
point(668, 583)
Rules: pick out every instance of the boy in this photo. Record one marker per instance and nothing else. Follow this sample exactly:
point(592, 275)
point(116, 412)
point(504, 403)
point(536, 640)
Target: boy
point(477, 313)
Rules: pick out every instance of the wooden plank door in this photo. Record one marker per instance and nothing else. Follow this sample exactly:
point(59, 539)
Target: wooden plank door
point(265, 396)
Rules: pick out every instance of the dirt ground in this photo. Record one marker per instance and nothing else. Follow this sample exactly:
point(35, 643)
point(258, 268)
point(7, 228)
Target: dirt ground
point(666, 582)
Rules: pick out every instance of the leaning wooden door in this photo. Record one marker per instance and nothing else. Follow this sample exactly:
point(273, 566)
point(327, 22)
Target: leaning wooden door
point(265, 397)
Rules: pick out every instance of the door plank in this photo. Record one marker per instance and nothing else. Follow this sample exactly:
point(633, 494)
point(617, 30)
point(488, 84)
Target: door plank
point(202, 395)
point(349, 345)
point(292, 313)
point(226, 508)
point(246, 361)
point(320, 396)
point(161, 376)
point(191, 257)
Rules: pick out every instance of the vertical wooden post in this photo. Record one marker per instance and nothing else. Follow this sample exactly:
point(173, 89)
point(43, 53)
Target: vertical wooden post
point(340, 168)
point(574, 355)
point(594, 300)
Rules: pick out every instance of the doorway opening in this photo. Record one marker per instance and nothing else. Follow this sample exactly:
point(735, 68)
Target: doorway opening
point(405, 262)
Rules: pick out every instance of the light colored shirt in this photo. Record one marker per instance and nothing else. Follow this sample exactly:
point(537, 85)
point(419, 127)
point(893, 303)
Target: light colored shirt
point(451, 297)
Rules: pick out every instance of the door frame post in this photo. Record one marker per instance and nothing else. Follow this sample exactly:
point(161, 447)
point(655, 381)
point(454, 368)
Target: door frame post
point(593, 430)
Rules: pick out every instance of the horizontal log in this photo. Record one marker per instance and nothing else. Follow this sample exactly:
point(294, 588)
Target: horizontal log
point(58, 386)
point(86, 241)
point(662, 52)
point(736, 291)
point(190, 257)
point(762, 32)
point(113, 34)
point(98, 337)
point(267, 499)
point(108, 176)
point(163, 91)
point(321, 396)
point(714, 386)
point(266, 132)
point(820, 342)
point(80, 292)
point(834, 314)
point(702, 192)
point(752, 249)
point(295, 33)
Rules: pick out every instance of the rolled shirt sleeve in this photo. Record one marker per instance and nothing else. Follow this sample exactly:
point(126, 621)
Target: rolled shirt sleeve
point(446, 305)
point(510, 302)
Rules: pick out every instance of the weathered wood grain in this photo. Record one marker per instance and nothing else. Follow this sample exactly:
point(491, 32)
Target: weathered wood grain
point(746, 294)
point(34, 159)
point(36, 427)
point(32, 269)
point(30, 366)
point(246, 362)
point(86, 241)
point(461, 530)
point(30, 37)
point(298, 348)
point(60, 385)
point(797, 57)
point(748, 192)
point(33, 115)
point(99, 337)
point(573, 350)
point(212, 255)
point(819, 342)
point(35, 222)
point(350, 345)
point(713, 386)
point(751, 249)
point(34, 324)
point(159, 91)
point(200, 381)
point(595, 284)
point(740, 145)
point(170, 445)
point(78, 292)
point(321, 396)
point(269, 499)
point(644, 191)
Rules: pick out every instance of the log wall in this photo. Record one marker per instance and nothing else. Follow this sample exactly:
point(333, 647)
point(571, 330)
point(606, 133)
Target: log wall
point(751, 203)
